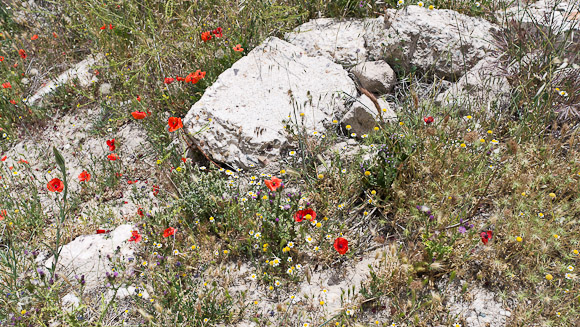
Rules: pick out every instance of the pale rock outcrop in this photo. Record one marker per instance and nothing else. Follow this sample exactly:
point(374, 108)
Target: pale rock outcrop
point(363, 115)
point(556, 15)
point(482, 87)
point(341, 41)
point(242, 117)
point(443, 41)
point(83, 71)
point(91, 255)
point(375, 76)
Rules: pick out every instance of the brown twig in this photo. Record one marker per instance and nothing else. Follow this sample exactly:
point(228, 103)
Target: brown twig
point(369, 95)
point(199, 149)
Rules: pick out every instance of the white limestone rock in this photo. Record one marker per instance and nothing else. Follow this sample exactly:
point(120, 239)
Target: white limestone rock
point(481, 88)
point(556, 15)
point(443, 41)
point(341, 41)
point(375, 76)
point(87, 255)
point(241, 115)
point(83, 71)
point(363, 116)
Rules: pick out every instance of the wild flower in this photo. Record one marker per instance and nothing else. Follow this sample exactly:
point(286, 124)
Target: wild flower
point(341, 245)
point(135, 237)
point(169, 231)
point(308, 214)
point(486, 236)
point(206, 36)
point(174, 123)
point(55, 185)
point(139, 114)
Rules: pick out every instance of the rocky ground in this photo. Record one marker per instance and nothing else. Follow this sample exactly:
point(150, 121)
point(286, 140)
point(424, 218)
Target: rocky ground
point(328, 78)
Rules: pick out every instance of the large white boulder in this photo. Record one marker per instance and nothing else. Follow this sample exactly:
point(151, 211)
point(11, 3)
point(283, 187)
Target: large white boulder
point(245, 108)
point(375, 76)
point(443, 41)
point(557, 16)
point(88, 255)
point(341, 41)
point(482, 87)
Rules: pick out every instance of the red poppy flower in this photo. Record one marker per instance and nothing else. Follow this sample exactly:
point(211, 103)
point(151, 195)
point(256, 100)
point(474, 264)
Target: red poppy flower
point(1, 58)
point(23, 161)
point(113, 156)
point(4, 158)
point(34, 37)
point(140, 212)
point(341, 245)
point(273, 184)
point(110, 26)
point(102, 231)
point(139, 98)
point(486, 236)
point(155, 190)
point(302, 214)
point(111, 144)
point(193, 78)
point(168, 80)
point(169, 231)
point(205, 36)
point(7, 85)
point(184, 159)
point(174, 123)
point(139, 114)
point(12, 101)
point(104, 27)
point(84, 176)
point(55, 185)
point(54, 35)
point(428, 120)
point(218, 32)
point(3, 214)
point(238, 48)
point(179, 78)
point(135, 237)
point(22, 54)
